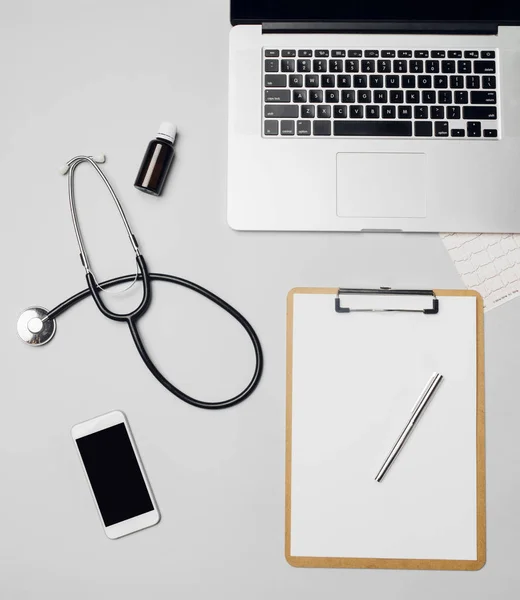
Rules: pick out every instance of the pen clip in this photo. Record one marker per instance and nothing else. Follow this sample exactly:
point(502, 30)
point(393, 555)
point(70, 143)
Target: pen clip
point(425, 391)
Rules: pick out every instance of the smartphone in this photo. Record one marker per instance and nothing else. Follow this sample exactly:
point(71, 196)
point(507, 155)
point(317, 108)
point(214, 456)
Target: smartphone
point(115, 474)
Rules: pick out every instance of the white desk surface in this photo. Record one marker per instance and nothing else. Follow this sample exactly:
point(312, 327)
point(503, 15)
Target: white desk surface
point(89, 77)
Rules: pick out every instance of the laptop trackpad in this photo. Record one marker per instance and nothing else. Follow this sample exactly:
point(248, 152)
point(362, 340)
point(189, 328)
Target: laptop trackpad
point(380, 184)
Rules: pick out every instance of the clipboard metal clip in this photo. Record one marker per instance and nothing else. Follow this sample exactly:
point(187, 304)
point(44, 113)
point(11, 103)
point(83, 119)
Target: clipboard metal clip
point(433, 309)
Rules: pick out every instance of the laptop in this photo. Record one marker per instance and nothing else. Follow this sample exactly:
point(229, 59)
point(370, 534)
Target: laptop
point(374, 116)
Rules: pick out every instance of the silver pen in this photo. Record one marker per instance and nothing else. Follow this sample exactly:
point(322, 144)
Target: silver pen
point(417, 411)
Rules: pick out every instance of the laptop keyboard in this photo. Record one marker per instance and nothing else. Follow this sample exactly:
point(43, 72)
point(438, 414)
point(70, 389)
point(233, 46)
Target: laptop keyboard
point(381, 93)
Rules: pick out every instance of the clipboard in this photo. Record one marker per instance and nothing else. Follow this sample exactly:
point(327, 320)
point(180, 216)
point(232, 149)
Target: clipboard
point(356, 361)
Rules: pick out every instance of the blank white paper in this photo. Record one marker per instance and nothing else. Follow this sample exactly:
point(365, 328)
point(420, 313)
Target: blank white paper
point(356, 378)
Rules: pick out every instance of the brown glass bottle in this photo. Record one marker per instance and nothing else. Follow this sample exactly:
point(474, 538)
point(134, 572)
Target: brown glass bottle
point(157, 161)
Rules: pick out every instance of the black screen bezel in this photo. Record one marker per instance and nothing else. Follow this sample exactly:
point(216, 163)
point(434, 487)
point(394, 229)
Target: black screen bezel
point(239, 17)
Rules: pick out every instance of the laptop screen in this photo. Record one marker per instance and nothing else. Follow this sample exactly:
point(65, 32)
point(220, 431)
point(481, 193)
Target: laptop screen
point(258, 11)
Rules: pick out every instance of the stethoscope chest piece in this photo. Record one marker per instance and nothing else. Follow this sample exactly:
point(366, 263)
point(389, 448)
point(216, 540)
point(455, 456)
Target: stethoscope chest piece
point(34, 328)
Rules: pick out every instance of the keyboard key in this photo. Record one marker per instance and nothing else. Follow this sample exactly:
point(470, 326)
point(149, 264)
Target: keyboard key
point(315, 96)
point(456, 81)
point(472, 81)
point(371, 53)
point(303, 66)
point(331, 96)
point(464, 66)
point(440, 81)
point(364, 96)
point(322, 127)
point(483, 113)
point(321, 54)
point(299, 96)
point(272, 53)
point(483, 97)
point(335, 65)
point(487, 54)
point(288, 53)
point(384, 66)
point(275, 80)
point(277, 95)
point(312, 81)
point(381, 96)
point(489, 82)
point(372, 112)
point(340, 111)
point(448, 66)
point(355, 53)
point(392, 81)
point(408, 81)
point(484, 66)
point(404, 112)
point(281, 111)
point(307, 111)
point(271, 66)
point(444, 97)
point(288, 65)
point(376, 81)
point(416, 66)
point(352, 66)
point(270, 127)
point(454, 53)
point(471, 54)
point(295, 81)
point(420, 112)
point(328, 81)
point(360, 81)
point(373, 128)
point(458, 133)
point(287, 127)
point(348, 96)
point(305, 53)
point(344, 81)
point(338, 53)
point(421, 54)
point(490, 133)
point(388, 53)
point(423, 129)
point(453, 112)
point(425, 81)
point(324, 112)
point(356, 112)
point(438, 53)
point(368, 66)
point(388, 112)
point(396, 97)
point(437, 112)
point(400, 66)
point(413, 96)
point(428, 97)
point(432, 66)
point(319, 66)
point(441, 129)
point(404, 54)
point(461, 97)
point(303, 127)
point(474, 129)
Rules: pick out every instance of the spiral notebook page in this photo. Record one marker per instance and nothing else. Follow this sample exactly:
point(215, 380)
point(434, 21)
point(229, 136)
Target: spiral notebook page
point(355, 380)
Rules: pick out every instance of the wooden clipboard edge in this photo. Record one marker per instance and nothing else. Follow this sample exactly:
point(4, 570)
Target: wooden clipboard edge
point(391, 563)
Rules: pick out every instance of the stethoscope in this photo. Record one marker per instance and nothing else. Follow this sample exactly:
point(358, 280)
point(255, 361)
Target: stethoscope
point(37, 326)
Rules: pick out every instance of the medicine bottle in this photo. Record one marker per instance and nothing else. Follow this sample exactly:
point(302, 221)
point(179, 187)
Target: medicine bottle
point(157, 161)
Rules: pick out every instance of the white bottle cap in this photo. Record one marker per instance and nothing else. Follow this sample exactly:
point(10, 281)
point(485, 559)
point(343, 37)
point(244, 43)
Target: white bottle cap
point(167, 131)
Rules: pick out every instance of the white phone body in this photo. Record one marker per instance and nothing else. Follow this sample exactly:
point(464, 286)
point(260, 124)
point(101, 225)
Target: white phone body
point(116, 492)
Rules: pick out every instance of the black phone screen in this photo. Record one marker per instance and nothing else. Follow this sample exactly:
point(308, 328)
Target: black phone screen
point(114, 474)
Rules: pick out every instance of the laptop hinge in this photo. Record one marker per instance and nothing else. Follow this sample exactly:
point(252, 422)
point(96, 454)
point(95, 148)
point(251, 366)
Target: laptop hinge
point(443, 28)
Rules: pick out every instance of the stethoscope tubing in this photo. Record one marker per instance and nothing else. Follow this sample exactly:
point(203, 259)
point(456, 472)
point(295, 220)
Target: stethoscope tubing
point(132, 320)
